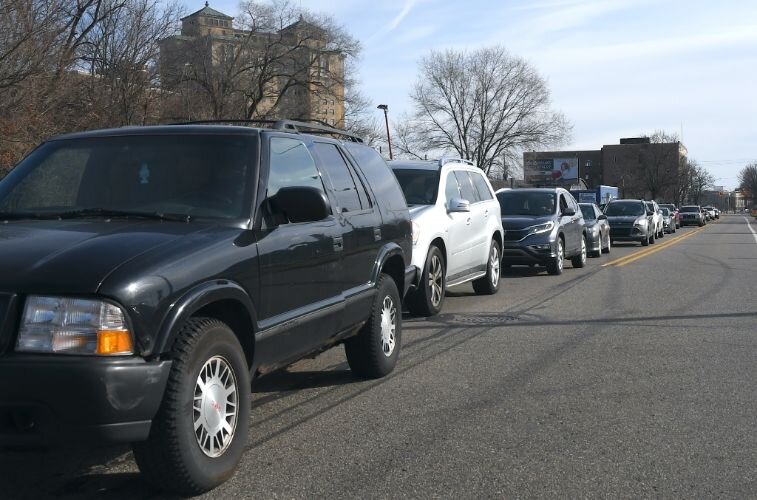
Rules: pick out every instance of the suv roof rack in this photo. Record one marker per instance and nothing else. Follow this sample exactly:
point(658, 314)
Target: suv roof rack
point(444, 161)
point(294, 126)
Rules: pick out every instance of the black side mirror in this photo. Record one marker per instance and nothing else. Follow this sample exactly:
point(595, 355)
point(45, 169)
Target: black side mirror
point(568, 212)
point(300, 204)
point(602, 217)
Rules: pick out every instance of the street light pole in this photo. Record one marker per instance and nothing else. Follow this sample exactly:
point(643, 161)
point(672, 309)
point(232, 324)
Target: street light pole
point(386, 119)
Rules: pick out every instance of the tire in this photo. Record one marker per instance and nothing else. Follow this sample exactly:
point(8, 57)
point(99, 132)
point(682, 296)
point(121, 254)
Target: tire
point(609, 245)
point(489, 283)
point(652, 239)
point(645, 241)
point(176, 458)
point(579, 260)
point(556, 265)
point(373, 352)
point(428, 299)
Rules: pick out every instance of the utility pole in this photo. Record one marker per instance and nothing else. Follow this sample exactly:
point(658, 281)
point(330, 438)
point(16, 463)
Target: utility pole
point(386, 119)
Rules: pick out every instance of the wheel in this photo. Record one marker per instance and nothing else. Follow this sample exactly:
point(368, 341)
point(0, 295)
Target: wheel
point(645, 240)
point(489, 283)
point(701, 224)
point(555, 266)
point(652, 239)
point(580, 259)
point(373, 352)
point(200, 431)
point(428, 299)
point(609, 245)
point(662, 233)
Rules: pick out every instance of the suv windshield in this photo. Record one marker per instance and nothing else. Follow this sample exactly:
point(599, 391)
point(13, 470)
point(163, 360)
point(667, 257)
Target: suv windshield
point(420, 186)
point(588, 211)
point(625, 208)
point(689, 209)
point(534, 203)
point(193, 176)
point(665, 211)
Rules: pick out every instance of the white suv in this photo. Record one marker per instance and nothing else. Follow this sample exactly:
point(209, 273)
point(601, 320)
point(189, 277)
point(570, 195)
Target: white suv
point(457, 229)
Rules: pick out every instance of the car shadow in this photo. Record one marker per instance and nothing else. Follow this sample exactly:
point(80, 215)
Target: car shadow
point(285, 380)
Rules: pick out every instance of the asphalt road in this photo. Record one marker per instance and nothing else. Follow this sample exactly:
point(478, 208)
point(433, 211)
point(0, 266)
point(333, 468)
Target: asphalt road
point(632, 377)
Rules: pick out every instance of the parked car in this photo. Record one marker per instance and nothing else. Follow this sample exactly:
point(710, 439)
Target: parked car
point(656, 218)
point(668, 220)
point(692, 214)
point(457, 232)
point(674, 210)
point(148, 273)
point(711, 213)
point(542, 227)
point(597, 229)
point(630, 220)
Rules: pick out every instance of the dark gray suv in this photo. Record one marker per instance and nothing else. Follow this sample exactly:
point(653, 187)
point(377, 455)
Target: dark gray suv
point(543, 227)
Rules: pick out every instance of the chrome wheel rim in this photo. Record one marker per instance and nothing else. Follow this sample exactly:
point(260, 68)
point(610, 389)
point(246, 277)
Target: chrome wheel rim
point(494, 265)
point(216, 397)
point(436, 280)
point(388, 326)
point(559, 255)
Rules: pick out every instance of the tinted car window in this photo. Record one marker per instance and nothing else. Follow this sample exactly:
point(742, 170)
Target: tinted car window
point(376, 172)
point(625, 208)
point(588, 212)
point(690, 209)
point(342, 180)
point(207, 176)
point(466, 186)
point(484, 193)
point(452, 189)
point(534, 203)
point(420, 186)
point(291, 165)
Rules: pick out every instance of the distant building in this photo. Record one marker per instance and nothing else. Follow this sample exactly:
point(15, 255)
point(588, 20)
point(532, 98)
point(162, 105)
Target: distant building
point(632, 165)
point(209, 38)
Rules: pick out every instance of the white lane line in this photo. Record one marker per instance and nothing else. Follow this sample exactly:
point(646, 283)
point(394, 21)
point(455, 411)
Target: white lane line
point(749, 225)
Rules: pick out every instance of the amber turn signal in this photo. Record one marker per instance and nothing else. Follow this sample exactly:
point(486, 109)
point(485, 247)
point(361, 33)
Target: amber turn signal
point(111, 342)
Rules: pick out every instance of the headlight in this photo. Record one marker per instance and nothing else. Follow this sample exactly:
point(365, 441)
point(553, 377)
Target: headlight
point(641, 222)
point(541, 228)
point(73, 326)
point(416, 232)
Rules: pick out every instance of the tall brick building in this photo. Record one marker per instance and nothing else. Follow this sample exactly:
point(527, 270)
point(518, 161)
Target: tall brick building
point(309, 78)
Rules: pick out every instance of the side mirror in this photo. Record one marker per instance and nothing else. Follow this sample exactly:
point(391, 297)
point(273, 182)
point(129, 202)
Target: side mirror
point(568, 212)
point(458, 205)
point(300, 204)
point(650, 212)
point(602, 217)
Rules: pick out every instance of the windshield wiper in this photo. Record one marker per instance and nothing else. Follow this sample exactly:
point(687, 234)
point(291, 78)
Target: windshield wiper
point(107, 212)
point(27, 215)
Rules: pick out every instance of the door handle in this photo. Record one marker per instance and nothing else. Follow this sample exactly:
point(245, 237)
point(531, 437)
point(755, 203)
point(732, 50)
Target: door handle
point(486, 213)
point(467, 222)
point(338, 244)
point(376, 234)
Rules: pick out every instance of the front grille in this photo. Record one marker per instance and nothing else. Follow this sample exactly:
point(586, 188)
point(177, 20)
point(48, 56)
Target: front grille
point(515, 234)
point(621, 231)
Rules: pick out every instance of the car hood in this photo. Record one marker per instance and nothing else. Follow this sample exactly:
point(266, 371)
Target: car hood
point(523, 221)
point(75, 256)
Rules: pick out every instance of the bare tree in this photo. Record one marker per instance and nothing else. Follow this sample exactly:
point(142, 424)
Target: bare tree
point(279, 50)
point(748, 181)
point(121, 57)
point(659, 163)
point(486, 106)
point(700, 179)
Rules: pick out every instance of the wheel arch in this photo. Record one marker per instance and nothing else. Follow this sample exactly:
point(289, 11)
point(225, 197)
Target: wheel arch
point(223, 300)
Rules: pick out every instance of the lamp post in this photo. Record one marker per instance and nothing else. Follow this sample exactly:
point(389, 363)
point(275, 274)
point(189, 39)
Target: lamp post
point(386, 119)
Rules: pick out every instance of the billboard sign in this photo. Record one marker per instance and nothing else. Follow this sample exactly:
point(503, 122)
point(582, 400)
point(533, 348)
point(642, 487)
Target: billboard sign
point(539, 171)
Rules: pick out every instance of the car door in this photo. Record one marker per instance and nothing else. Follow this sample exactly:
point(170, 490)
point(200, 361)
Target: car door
point(569, 225)
point(460, 228)
point(300, 263)
point(360, 223)
point(479, 247)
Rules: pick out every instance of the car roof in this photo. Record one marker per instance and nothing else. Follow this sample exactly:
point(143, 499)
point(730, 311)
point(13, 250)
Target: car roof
point(163, 130)
point(432, 165)
point(626, 200)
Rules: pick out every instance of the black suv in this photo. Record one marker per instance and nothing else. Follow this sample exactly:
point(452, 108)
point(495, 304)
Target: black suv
point(148, 274)
point(542, 226)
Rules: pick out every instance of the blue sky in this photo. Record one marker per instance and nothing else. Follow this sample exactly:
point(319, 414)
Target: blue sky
point(616, 68)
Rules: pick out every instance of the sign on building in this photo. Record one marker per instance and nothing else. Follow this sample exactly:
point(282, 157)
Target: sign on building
point(539, 171)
